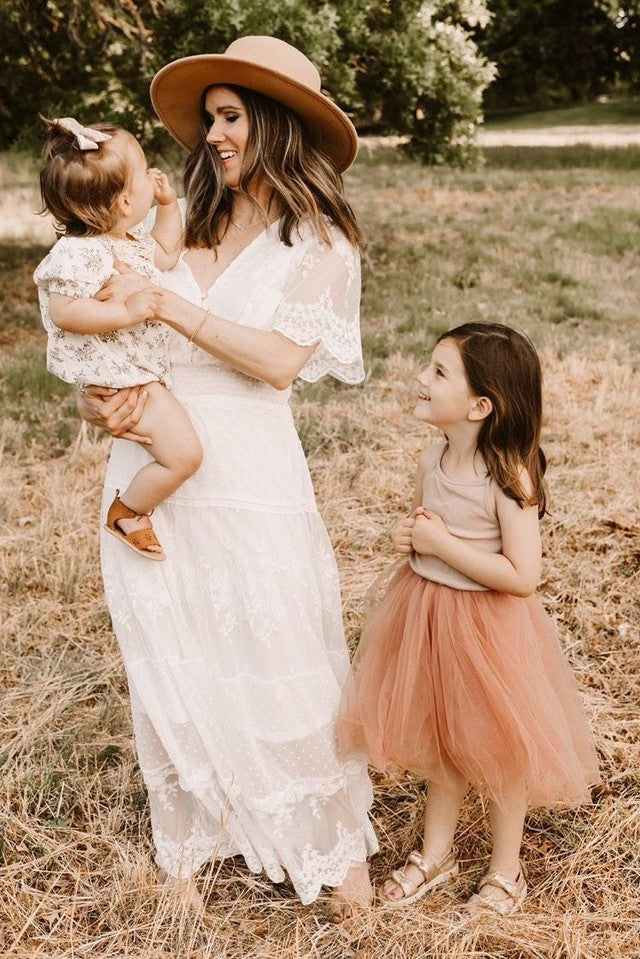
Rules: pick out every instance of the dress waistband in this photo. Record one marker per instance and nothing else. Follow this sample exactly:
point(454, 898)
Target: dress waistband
point(200, 380)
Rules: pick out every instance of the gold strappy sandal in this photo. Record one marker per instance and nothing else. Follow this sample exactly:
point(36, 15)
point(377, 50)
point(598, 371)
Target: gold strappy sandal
point(516, 893)
point(433, 873)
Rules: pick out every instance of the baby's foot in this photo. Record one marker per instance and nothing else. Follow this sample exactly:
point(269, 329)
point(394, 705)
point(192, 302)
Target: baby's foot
point(135, 524)
point(134, 530)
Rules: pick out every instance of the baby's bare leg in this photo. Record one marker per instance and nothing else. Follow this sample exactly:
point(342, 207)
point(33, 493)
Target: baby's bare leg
point(175, 448)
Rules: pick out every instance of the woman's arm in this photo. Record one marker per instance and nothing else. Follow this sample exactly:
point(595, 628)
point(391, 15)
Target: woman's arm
point(264, 355)
point(516, 570)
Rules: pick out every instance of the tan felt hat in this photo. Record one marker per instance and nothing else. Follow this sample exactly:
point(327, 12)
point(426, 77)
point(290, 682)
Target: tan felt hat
point(266, 65)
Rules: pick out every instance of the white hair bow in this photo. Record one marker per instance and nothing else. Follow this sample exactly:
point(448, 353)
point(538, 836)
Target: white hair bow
point(87, 137)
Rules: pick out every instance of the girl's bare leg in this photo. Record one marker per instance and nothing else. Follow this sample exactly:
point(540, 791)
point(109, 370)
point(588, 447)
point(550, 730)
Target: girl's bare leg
point(175, 448)
point(441, 816)
point(507, 827)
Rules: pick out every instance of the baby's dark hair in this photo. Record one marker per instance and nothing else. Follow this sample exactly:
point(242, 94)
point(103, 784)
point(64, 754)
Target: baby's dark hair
point(503, 365)
point(80, 188)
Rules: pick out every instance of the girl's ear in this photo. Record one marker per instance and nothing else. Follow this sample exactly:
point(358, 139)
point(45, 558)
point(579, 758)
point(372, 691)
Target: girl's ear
point(480, 409)
point(124, 203)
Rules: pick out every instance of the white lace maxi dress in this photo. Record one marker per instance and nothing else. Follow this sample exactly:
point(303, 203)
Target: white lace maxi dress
point(234, 647)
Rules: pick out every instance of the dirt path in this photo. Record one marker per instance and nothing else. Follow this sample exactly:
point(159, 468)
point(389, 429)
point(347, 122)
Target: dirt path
point(597, 136)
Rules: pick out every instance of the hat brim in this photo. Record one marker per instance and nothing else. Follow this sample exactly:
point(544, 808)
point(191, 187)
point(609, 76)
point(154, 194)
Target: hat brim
point(176, 93)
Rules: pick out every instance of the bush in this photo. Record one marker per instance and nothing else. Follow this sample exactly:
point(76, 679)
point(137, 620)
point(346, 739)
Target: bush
point(397, 66)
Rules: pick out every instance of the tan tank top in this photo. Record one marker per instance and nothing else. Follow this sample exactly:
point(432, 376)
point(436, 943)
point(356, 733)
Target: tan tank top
point(469, 511)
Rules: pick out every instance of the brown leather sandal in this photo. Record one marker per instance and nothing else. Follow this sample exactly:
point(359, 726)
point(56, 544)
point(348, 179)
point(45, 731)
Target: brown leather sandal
point(141, 539)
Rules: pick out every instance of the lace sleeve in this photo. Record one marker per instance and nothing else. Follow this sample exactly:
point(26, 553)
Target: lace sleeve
point(322, 305)
point(76, 267)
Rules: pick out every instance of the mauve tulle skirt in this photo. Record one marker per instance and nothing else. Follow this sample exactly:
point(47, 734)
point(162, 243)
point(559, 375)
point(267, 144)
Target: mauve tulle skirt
point(449, 681)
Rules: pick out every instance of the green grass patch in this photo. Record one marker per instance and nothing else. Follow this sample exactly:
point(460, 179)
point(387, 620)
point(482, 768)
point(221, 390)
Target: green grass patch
point(623, 111)
point(19, 312)
point(575, 157)
point(40, 406)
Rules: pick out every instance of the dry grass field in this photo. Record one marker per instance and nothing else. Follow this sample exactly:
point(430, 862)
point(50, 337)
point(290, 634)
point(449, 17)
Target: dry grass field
point(553, 251)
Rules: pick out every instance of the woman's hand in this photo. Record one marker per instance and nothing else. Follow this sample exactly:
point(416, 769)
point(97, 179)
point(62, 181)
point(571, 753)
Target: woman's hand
point(124, 284)
point(402, 535)
point(116, 411)
point(429, 532)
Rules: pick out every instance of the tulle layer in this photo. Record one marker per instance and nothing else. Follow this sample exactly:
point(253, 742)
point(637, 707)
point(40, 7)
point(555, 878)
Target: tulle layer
point(474, 683)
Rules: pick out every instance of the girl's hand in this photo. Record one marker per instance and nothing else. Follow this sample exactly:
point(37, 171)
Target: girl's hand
point(116, 411)
point(142, 305)
point(429, 532)
point(123, 285)
point(163, 192)
point(402, 535)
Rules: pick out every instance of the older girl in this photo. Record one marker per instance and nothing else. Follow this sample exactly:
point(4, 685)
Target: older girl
point(460, 676)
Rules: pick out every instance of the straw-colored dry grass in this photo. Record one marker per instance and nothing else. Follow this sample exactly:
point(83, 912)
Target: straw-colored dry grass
point(553, 253)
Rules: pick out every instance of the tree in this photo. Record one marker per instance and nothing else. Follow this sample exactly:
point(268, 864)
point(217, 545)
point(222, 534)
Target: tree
point(64, 56)
point(420, 72)
point(403, 66)
point(553, 51)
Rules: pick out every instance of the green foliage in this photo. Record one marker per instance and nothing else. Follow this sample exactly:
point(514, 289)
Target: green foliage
point(551, 51)
point(61, 57)
point(402, 66)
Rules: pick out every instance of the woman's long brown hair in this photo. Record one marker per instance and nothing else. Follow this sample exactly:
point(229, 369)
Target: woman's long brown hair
point(281, 154)
point(503, 365)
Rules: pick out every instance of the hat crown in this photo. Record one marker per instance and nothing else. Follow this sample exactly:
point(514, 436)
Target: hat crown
point(274, 54)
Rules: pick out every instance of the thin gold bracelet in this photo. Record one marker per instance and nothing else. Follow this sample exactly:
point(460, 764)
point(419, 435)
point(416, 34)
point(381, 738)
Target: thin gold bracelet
point(202, 322)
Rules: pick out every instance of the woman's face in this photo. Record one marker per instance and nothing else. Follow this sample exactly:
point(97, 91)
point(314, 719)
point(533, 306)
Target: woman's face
point(228, 131)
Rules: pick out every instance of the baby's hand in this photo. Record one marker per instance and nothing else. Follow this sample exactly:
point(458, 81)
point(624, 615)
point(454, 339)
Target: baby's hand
point(163, 192)
point(402, 535)
point(142, 306)
point(429, 532)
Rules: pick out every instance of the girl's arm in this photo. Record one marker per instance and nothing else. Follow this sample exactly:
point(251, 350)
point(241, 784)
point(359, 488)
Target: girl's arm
point(167, 229)
point(262, 354)
point(516, 570)
point(403, 529)
point(93, 316)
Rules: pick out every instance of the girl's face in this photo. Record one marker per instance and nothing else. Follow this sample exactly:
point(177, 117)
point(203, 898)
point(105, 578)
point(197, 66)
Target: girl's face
point(229, 130)
point(140, 187)
point(444, 397)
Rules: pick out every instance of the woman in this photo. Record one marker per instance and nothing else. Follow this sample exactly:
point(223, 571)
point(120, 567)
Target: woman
point(234, 647)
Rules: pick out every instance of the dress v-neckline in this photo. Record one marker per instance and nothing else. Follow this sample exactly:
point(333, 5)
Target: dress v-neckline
point(205, 293)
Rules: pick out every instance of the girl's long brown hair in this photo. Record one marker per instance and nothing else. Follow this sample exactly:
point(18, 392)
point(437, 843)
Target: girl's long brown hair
point(503, 365)
point(280, 153)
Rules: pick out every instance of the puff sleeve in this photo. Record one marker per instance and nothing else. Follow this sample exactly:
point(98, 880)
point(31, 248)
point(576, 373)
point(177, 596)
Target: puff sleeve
point(321, 304)
point(76, 267)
